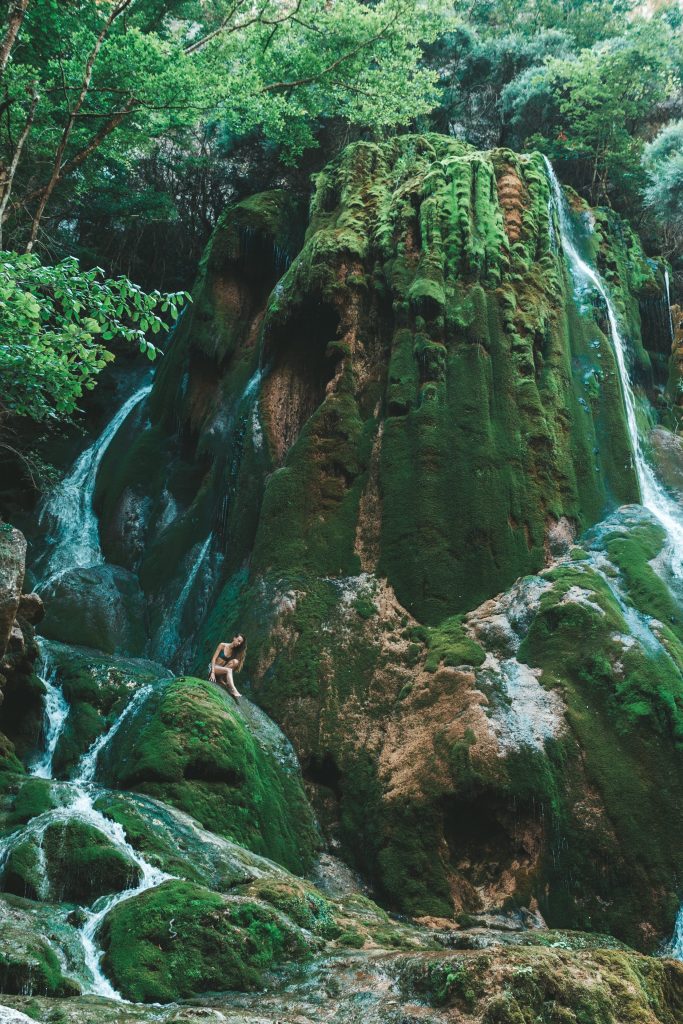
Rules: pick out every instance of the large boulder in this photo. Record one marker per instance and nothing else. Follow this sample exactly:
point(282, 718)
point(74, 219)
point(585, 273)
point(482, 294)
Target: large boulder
point(97, 688)
point(29, 963)
point(71, 862)
point(101, 606)
point(191, 746)
point(180, 939)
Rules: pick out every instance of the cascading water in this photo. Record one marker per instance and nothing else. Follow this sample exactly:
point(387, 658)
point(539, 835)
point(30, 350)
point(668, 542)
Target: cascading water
point(76, 540)
point(168, 640)
point(653, 494)
point(56, 711)
point(76, 544)
point(78, 798)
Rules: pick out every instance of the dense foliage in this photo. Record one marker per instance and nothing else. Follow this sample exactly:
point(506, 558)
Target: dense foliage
point(55, 322)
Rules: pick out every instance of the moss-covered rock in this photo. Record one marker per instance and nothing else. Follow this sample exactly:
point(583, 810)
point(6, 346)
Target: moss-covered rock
point(97, 688)
point(190, 745)
point(28, 961)
point(181, 939)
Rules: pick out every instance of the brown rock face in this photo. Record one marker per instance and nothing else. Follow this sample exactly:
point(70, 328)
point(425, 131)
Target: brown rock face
point(12, 567)
point(668, 452)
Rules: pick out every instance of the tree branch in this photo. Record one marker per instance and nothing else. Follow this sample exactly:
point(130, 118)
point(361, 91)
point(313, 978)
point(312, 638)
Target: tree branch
point(257, 19)
point(17, 12)
point(57, 165)
point(294, 83)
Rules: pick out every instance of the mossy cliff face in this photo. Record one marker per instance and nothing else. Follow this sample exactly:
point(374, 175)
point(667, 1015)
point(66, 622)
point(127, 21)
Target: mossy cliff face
point(163, 490)
point(436, 418)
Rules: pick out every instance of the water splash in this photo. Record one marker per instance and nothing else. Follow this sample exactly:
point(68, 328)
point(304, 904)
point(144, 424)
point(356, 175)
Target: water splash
point(653, 495)
point(75, 535)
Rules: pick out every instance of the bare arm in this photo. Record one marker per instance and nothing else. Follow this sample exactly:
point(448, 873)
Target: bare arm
point(213, 661)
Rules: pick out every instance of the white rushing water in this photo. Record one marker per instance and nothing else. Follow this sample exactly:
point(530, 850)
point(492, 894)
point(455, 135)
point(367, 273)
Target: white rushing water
point(70, 506)
point(667, 286)
point(653, 495)
point(87, 766)
point(56, 711)
point(79, 796)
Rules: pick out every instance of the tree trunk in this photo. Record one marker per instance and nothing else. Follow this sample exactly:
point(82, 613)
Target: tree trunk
point(16, 16)
point(57, 166)
point(8, 183)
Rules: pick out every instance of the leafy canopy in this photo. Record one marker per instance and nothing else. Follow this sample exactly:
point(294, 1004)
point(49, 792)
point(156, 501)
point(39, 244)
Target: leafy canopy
point(54, 323)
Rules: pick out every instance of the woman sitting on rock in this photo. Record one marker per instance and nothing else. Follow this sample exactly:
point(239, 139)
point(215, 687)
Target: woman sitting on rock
point(228, 658)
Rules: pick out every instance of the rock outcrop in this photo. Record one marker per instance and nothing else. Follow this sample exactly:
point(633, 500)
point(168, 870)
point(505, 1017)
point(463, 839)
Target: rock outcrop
point(434, 418)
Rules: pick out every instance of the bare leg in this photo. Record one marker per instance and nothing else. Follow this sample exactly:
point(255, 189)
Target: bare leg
point(232, 689)
point(223, 674)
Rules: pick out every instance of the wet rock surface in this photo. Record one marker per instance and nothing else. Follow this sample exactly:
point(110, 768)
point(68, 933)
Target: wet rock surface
point(101, 606)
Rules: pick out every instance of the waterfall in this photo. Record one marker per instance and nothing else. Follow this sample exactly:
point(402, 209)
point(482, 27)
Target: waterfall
point(79, 797)
point(653, 495)
point(247, 411)
point(56, 711)
point(87, 766)
point(76, 539)
point(168, 640)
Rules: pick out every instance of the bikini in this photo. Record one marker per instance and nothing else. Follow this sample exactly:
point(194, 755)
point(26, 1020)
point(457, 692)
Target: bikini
point(222, 657)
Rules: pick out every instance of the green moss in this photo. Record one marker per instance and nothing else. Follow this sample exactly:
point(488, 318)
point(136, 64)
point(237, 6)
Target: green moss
point(522, 986)
point(625, 704)
point(97, 689)
point(301, 902)
point(33, 797)
point(180, 939)
point(448, 644)
point(83, 864)
point(646, 589)
point(189, 745)
point(351, 938)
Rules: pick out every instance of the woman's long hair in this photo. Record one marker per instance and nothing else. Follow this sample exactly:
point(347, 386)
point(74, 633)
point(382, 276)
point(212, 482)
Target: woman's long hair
point(239, 653)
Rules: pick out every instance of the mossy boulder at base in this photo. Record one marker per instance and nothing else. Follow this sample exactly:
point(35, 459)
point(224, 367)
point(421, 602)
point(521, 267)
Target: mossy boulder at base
point(190, 745)
point(28, 961)
point(180, 939)
point(72, 862)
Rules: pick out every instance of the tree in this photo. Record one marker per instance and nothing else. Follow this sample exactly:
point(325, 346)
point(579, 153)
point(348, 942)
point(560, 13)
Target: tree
point(115, 76)
point(596, 106)
point(663, 193)
point(55, 323)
